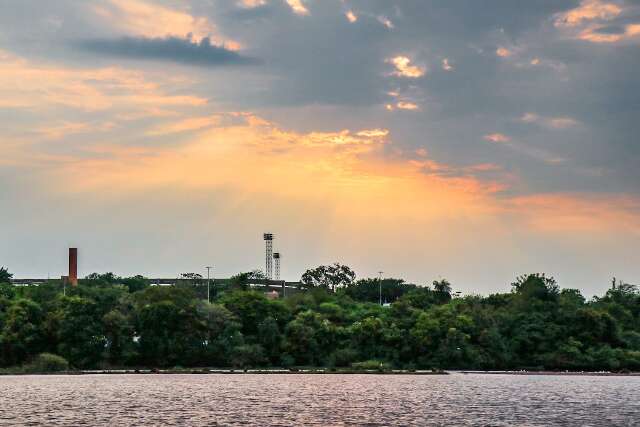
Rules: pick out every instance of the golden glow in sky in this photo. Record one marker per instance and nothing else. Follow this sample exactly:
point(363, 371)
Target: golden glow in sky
point(355, 134)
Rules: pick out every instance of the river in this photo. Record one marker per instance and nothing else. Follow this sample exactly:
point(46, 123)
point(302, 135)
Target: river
point(327, 400)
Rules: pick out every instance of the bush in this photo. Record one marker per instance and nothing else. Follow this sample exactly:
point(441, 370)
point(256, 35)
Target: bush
point(344, 357)
point(248, 355)
point(411, 367)
point(370, 365)
point(47, 362)
point(7, 291)
point(287, 361)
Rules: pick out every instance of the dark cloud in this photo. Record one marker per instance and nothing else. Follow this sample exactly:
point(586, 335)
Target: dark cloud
point(174, 49)
point(322, 71)
point(611, 29)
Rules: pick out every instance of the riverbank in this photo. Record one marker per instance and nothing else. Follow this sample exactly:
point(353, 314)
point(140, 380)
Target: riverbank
point(554, 373)
point(319, 371)
point(206, 371)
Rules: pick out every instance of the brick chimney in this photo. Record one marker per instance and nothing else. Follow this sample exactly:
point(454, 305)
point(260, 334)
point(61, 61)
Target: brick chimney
point(73, 266)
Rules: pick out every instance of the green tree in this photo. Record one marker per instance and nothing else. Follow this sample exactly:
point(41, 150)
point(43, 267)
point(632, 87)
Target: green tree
point(328, 277)
point(171, 329)
point(248, 356)
point(369, 289)
point(193, 278)
point(104, 278)
point(367, 335)
point(112, 321)
point(242, 281)
point(119, 332)
point(7, 291)
point(221, 334)
point(252, 308)
point(310, 338)
point(536, 286)
point(420, 298)
point(135, 283)
point(22, 332)
point(270, 338)
point(81, 337)
point(442, 290)
point(5, 276)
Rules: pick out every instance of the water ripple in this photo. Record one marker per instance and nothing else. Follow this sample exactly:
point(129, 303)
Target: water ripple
point(319, 400)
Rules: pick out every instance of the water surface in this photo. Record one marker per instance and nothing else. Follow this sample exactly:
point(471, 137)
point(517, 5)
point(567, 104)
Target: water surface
point(327, 400)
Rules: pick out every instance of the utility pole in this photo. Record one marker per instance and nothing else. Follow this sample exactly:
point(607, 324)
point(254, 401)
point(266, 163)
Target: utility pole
point(208, 283)
point(380, 284)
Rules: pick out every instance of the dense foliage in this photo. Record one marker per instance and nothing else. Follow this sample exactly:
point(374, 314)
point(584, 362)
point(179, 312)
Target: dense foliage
point(108, 321)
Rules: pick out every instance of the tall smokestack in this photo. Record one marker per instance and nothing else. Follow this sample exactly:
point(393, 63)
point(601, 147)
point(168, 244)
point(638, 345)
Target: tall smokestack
point(73, 266)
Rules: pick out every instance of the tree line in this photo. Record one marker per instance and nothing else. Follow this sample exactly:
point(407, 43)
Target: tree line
point(333, 321)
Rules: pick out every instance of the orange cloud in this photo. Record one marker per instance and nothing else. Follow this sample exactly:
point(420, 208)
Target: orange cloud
point(186, 125)
point(250, 4)
point(373, 133)
point(404, 68)
point(298, 7)
point(152, 20)
point(571, 213)
point(591, 34)
point(255, 156)
point(58, 131)
point(550, 122)
point(587, 20)
point(39, 86)
point(484, 167)
point(345, 187)
point(405, 105)
point(497, 137)
point(402, 103)
point(588, 10)
point(503, 52)
point(351, 16)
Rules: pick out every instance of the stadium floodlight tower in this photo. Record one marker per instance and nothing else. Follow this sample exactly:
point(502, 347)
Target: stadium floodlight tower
point(276, 260)
point(268, 240)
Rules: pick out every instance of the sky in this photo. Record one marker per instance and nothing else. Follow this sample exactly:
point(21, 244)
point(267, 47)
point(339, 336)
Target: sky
point(472, 141)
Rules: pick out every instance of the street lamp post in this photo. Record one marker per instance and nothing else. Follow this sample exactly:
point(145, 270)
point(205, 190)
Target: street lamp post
point(209, 283)
point(380, 285)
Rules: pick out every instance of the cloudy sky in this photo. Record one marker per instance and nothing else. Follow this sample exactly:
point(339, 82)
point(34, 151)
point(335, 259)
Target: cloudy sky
point(469, 140)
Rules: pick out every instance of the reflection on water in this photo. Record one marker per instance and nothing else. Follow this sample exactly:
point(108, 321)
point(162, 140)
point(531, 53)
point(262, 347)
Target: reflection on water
point(284, 400)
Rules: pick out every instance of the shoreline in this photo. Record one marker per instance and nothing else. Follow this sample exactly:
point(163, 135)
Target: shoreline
point(554, 373)
point(208, 371)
